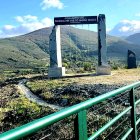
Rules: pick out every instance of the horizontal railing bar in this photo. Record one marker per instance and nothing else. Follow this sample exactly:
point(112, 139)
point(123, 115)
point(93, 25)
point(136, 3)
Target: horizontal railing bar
point(41, 123)
point(137, 102)
point(110, 123)
point(127, 134)
point(138, 121)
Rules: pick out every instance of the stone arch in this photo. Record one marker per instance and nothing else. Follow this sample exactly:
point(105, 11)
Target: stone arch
point(56, 69)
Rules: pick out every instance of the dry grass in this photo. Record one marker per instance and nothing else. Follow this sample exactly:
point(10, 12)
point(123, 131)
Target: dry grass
point(124, 76)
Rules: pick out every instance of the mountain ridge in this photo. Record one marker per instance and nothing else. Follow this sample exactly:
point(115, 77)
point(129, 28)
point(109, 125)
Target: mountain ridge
point(32, 49)
point(135, 38)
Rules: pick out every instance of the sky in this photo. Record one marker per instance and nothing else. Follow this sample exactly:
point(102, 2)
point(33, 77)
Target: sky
point(20, 17)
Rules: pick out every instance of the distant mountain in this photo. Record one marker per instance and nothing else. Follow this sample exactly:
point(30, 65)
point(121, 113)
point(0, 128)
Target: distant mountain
point(32, 50)
point(135, 38)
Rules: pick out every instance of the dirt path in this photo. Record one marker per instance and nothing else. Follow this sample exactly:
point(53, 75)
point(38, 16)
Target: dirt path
point(34, 98)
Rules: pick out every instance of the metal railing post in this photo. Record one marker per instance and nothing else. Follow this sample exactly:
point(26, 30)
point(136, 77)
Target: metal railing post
point(81, 126)
point(133, 114)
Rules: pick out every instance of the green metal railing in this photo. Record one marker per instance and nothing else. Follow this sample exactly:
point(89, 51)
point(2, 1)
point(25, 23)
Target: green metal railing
point(80, 110)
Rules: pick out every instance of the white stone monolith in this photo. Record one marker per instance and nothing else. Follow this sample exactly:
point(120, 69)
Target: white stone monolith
point(55, 70)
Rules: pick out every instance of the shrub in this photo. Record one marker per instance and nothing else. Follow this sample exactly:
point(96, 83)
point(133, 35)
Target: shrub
point(87, 66)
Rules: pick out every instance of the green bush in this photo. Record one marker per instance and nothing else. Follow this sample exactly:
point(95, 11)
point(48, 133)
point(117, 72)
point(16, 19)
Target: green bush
point(87, 66)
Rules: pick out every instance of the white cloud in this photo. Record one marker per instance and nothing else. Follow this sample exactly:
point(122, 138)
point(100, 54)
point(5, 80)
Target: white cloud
point(19, 19)
point(27, 24)
point(8, 27)
point(27, 18)
point(46, 20)
point(126, 27)
point(46, 4)
point(108, 30)
point(137, 14)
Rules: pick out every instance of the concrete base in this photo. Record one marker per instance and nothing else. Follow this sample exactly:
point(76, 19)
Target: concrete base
point(56, 72)
point(103, 70)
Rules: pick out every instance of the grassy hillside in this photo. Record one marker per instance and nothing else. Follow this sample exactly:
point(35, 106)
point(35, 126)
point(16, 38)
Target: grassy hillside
point(20, 52)
point(31, 50)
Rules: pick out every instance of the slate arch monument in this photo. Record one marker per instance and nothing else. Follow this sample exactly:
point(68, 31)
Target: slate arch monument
point(56, 70)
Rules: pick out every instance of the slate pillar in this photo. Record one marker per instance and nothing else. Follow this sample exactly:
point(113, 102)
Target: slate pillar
point(131, 60)
point(103, 67)
point(55, 69)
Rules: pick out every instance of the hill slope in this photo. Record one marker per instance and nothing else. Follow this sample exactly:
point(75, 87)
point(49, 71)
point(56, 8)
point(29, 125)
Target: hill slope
point(31, 50)
point(135, 38)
